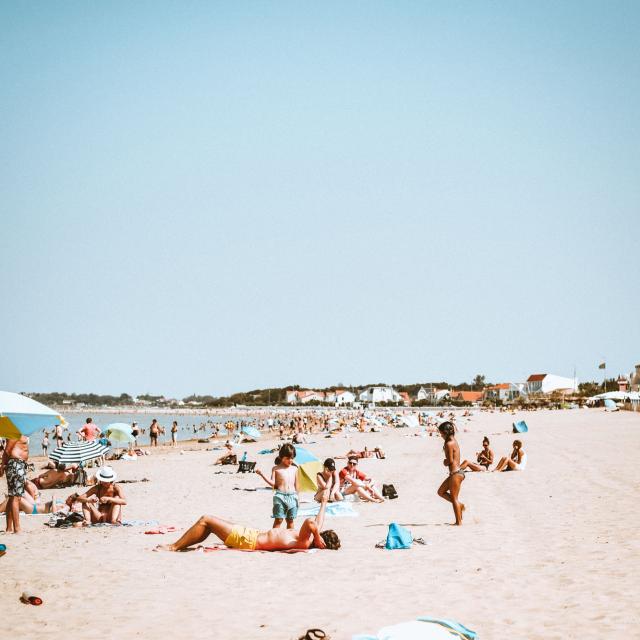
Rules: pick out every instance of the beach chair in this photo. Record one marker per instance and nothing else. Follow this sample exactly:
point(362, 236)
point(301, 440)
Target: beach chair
point(244, 466)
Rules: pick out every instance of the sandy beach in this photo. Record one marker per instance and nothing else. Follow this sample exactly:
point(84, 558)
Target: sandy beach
point(551, 552)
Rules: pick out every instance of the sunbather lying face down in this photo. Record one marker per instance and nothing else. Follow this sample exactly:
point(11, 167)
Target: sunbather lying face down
point(245, 538)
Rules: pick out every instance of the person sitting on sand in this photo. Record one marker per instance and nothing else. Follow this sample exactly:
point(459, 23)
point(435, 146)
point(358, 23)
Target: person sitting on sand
point(354, 481)
point(104, 501)
point(228, 457)
point(484, 458)
point(517, 461)
point(450, 488)
point(62, 476)
point(328, 480)
point(310, 535)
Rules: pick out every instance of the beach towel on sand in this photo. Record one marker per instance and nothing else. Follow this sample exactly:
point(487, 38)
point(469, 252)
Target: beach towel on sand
point(334, 510)
point(222, 547)
point(423, 628)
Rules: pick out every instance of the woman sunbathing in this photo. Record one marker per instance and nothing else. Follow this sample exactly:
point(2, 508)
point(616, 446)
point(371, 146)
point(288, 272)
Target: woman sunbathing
point(30, 506)
point(517, 461)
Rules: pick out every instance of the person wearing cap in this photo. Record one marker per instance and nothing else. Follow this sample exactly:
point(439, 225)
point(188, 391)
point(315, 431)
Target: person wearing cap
point(328, 480)
point(104, 501)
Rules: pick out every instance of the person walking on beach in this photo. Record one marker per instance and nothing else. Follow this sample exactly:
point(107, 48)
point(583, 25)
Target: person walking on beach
point(284, 479)
point(174, 434)
point(45, 444)
point(89, 431)
point(57, 434)
point(154, 431)
point(14, 464)
point(450, 488)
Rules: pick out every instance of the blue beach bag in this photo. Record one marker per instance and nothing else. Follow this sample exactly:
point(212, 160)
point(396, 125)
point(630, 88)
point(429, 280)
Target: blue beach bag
point(398, 537)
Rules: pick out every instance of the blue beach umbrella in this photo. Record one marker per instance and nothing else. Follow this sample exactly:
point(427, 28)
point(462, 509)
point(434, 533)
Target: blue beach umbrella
point(251, 432)
point(22, 416)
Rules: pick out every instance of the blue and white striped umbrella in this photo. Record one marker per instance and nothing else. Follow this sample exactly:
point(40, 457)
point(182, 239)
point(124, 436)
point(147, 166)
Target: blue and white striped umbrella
point(22, 416)
point(77, 452)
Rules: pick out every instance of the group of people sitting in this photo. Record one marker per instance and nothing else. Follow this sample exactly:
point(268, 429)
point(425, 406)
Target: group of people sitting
point(517, 461)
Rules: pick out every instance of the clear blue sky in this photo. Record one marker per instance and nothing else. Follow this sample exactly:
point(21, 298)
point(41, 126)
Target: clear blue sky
point(211, 197)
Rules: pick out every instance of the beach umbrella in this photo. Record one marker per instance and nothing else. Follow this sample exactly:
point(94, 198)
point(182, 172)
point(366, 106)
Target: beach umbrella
point(308, 466)
point(251, 432)
point(409, 421)
point(119, 432)
point(77, 452)
point(20, 415)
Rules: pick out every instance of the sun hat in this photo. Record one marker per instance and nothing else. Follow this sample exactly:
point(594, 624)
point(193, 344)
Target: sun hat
point(106, 474)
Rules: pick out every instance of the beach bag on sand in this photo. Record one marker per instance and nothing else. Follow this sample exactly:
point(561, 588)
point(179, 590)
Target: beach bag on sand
point(389, 491)
point(398, 537)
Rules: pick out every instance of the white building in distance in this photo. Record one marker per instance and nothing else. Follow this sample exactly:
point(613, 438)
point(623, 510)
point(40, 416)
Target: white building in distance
point(548, 383)
point(344, 397)
point(380, 394)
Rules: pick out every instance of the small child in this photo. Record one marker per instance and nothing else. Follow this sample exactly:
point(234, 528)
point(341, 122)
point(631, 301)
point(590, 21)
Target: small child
point(45, 443)
point(284, 479)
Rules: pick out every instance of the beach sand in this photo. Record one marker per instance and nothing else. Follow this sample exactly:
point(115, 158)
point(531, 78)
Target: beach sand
point(551, 552)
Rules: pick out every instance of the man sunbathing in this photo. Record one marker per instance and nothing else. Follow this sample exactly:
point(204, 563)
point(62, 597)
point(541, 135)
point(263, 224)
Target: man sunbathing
point(62, 476)
point(247, 539)
point(229, 457)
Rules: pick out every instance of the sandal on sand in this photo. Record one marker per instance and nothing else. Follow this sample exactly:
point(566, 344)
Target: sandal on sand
point(315, 634)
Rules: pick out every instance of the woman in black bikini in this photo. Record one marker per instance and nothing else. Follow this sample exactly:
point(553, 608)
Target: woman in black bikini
point(450, 488)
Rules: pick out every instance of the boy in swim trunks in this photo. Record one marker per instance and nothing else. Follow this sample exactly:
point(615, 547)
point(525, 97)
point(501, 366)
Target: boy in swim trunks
point(14, 464)
point(284, 479)
point(247, 539)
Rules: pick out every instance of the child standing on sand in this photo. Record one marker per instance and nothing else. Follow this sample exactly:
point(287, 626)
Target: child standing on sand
point(284, 479)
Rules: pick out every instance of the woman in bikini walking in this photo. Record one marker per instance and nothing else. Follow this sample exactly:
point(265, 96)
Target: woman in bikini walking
point(450, 488)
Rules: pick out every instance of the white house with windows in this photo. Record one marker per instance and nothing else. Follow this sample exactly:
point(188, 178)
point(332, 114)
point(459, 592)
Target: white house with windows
point(344, 397)
point(380, 394)
point(310, 396)
point(548, 383)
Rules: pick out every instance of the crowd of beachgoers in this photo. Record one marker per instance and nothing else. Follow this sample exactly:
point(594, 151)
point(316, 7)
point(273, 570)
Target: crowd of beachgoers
point(104, 501)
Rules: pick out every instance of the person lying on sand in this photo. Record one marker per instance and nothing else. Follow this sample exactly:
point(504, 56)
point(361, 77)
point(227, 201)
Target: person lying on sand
point(62, 476)
point(484, 458)
point(239, 537)
point(104, 501)
point(365, 453)
point(28, 505)
point(517, 461)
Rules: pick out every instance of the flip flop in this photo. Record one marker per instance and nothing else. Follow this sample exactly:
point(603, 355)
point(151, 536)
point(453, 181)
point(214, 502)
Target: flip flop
point(314, 634)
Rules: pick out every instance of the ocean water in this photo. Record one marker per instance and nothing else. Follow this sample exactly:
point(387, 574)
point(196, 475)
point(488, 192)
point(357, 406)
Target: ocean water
point(186, 424)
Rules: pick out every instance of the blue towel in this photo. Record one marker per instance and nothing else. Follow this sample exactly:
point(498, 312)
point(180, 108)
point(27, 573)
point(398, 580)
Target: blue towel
point(452, 624)
point(400, 631)
point(334, 509)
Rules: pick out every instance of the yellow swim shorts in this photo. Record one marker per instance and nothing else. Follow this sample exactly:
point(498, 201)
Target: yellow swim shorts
point(242, 538)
